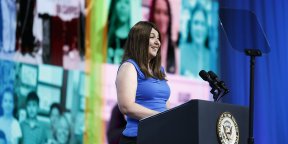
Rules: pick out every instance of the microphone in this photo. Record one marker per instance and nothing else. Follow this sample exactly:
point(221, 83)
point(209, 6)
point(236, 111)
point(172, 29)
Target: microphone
point(206, 77)
point(221, 84)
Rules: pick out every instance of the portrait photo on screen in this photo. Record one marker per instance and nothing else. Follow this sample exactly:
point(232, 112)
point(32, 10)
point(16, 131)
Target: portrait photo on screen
point(165, 14)
point(46, 31)
point(8, 103)
point(56, 107)
point(122, 15)
point(198, 37)
point(7, 72)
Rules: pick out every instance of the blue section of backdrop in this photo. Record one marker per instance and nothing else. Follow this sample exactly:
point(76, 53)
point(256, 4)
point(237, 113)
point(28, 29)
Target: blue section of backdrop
point(271, 110)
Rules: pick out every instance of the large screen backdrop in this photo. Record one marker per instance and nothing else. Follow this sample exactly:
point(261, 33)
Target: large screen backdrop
point(68, 53)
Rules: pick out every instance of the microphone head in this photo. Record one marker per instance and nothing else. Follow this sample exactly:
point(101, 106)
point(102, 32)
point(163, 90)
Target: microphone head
point(212, 74)
point(204, 75)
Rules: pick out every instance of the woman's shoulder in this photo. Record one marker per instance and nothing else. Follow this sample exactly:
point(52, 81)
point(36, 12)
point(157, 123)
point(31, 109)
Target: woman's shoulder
point(131, 66)
point(125, 72)
point(127, 65)
point(130, 63)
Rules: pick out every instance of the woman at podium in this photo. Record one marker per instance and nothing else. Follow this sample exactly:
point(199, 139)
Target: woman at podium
point(142, 88)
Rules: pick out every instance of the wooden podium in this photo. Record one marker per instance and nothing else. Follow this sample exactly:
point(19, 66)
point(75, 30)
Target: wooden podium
point(195, 122)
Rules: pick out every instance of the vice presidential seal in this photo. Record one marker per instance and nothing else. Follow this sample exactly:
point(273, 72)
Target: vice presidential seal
point(227, 129)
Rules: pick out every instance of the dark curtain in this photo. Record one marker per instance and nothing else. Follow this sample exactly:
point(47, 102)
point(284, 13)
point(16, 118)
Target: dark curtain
point(271, 108)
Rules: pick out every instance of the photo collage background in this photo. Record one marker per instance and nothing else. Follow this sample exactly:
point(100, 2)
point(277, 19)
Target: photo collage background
point(44, 49)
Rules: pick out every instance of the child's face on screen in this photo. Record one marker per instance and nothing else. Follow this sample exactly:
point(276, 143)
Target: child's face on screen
point(54, 116)
point(32, 109)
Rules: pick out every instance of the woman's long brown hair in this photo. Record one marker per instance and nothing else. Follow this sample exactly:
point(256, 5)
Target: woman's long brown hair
point(136, 48)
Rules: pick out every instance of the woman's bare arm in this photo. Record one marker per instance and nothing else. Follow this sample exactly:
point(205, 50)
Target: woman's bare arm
point(126, 84)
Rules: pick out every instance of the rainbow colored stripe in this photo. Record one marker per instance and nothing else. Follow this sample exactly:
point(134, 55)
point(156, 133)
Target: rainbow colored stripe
point(96, 44)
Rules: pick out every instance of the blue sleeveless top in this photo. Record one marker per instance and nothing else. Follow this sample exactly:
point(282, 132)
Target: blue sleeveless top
point(151, 93)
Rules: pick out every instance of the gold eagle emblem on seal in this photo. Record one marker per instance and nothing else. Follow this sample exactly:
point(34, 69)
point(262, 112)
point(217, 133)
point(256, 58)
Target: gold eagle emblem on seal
point(227, 129)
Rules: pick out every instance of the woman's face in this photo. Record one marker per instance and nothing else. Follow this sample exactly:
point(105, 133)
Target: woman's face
point(161, 16)
point(199, 27)
point(123, 10)
point(8, 103)
point(154, 43)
